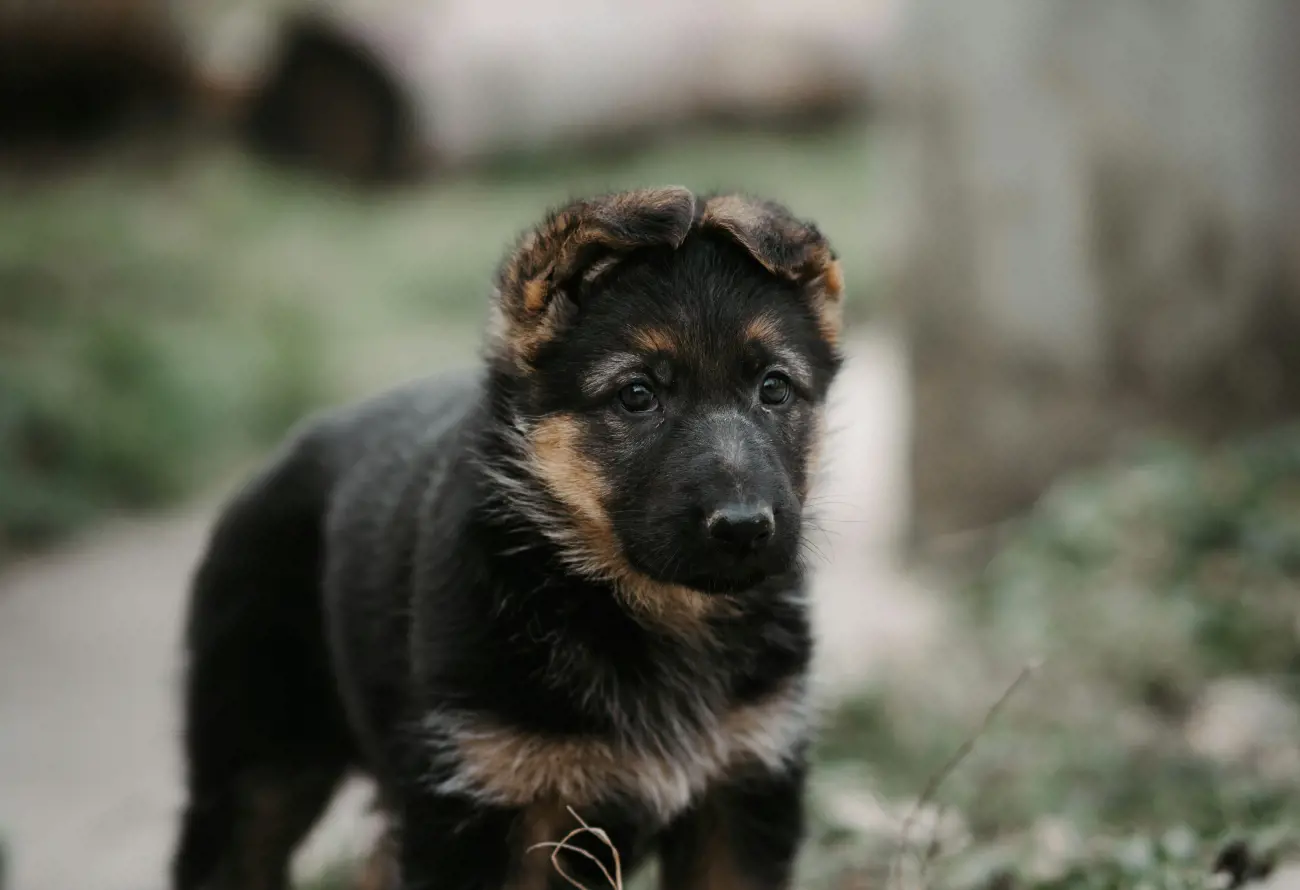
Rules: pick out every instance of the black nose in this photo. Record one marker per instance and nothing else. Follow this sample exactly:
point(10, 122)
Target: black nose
point(742, 525)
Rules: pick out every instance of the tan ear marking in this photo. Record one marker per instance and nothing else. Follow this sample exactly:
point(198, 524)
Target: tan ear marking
point(833, 279)
point(535, 295)
point(577, 242)
point(786, 247)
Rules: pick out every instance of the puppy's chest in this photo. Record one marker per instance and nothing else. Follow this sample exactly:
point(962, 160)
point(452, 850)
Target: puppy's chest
point(661, 763)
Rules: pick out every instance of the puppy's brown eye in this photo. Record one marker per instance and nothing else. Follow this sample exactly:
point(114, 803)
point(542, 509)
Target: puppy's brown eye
point(637, 397)
point(775, 389)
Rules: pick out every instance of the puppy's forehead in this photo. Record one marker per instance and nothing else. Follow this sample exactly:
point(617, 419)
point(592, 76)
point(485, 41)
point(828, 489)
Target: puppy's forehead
point(703, 336)
point(706, 337)
point(703, 296)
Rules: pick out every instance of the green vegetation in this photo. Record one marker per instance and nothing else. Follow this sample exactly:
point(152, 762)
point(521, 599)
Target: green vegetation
point(1163, 597)
point(158, 324)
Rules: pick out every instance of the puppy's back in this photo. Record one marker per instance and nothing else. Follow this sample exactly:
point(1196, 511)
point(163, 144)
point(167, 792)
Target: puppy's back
point(391, 460)
point(268, 726)
point(388, 428)
point(345, 482)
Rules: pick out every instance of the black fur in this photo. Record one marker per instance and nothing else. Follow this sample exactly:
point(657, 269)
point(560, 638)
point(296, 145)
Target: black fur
point(384, 572)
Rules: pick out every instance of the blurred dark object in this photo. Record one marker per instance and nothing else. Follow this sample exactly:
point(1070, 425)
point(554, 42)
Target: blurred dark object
point(74, 73)
point(1241, 865)
point(377, 93)
point(331, 104)
point(1101, 235)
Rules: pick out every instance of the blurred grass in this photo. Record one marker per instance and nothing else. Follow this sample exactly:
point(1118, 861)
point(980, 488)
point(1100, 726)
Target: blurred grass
point(1163, 595)
point(158, 324)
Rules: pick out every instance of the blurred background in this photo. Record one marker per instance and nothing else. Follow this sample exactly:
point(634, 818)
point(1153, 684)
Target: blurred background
point(1059, 593)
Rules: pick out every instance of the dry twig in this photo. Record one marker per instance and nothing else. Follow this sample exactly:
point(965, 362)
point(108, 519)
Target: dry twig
point(615, 880)
point(948, 768)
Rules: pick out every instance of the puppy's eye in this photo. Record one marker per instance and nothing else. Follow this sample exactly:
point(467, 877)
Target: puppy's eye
point(637, 397)
point(775, 389)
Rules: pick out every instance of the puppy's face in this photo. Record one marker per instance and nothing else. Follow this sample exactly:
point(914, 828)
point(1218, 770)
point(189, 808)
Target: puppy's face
point(673, 407)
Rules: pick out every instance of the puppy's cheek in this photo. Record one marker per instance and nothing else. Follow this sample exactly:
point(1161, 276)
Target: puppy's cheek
point(642, 538)
point(805, 449)
point(810, 468)
point(563, 460)
point(640, 490)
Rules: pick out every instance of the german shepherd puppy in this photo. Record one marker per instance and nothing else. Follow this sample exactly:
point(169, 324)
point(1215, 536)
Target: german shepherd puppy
point(573, 580)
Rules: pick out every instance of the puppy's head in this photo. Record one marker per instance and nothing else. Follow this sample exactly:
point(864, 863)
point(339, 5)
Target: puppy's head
point(664, 361)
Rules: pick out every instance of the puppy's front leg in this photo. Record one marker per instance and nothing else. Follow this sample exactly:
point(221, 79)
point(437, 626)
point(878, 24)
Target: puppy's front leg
point(456, 843)
point(453, 843)
point(744, 835)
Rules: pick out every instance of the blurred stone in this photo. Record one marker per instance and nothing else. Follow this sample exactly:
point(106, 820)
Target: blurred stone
point(1247, 721)
point(909, 828)
point(1286, 877)
point(1055, 845)
point(1097, 219)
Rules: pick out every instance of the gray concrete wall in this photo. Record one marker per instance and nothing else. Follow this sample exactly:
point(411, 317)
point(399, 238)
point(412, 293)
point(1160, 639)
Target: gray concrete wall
point(1095, 212)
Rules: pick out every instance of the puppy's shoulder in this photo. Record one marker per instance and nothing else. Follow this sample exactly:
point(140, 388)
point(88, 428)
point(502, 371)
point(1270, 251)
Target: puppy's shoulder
point(406, 416)
point(370, 446)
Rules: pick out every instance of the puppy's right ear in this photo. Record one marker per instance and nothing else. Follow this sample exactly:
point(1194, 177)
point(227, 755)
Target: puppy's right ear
point(537, 282)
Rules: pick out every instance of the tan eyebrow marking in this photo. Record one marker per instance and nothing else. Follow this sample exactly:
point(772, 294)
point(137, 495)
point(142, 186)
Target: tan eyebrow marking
point(654, 340)
point(766, 331)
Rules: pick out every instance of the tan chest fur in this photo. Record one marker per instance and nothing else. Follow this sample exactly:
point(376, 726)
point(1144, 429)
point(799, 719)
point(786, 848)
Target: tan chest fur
point(502, 765)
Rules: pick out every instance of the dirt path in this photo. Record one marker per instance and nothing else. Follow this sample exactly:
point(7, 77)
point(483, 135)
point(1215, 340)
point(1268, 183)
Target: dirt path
point(88, 643)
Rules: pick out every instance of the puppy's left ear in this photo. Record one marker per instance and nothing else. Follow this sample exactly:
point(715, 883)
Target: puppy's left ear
point(787, 247)
point(537, 283)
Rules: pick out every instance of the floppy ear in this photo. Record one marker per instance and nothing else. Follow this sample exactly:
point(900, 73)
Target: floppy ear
point(787, 247)
point(537, 281)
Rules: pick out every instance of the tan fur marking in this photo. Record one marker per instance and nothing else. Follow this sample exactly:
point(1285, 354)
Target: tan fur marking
point(571, 477)
point(678, 609)
point(829, 319)
point(527, 343)
point(721, 872)
point(813, 264)
point(715, 868)
point(274, 814)
point(827, 290)
point(654, 340)
point(516, 769)
point(535, 295)
point(541, 823)
point(560, 461)
point(834, 279)
point(556, 250)
point(379, 872)
point(764, 329)
point(739, 218)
